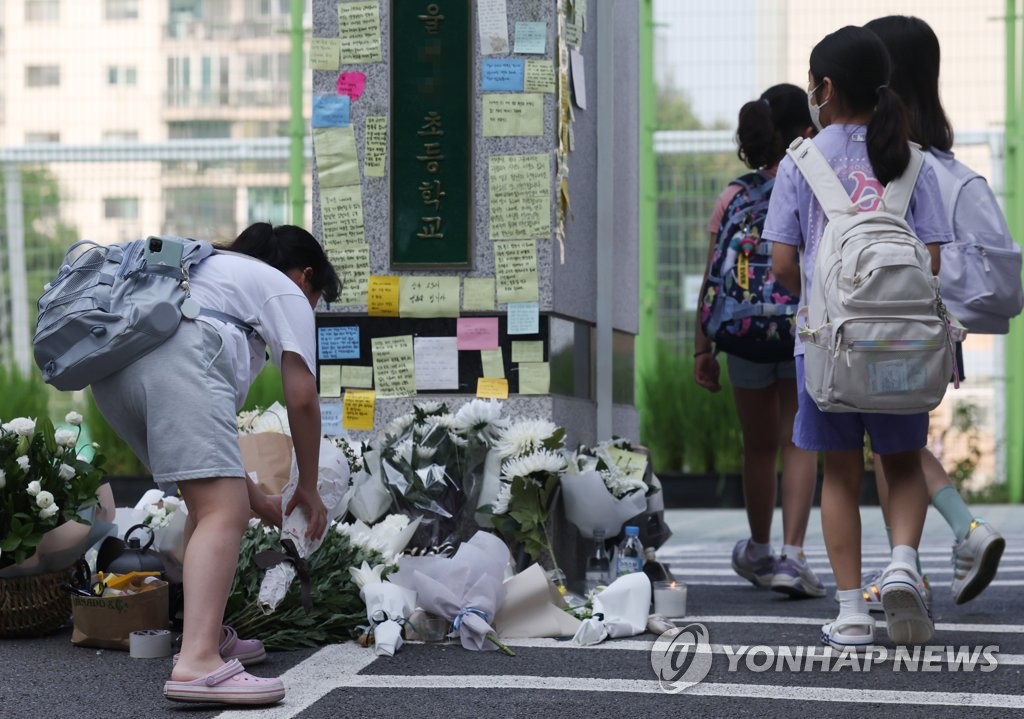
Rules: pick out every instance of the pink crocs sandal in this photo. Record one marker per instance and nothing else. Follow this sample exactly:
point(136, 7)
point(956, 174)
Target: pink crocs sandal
point(230, 684)
point(247, 651)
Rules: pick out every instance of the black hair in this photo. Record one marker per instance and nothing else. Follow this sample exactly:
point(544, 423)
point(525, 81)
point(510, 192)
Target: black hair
point(287, 247)
point(856, 61)
point(914, 52)
point(767, 125)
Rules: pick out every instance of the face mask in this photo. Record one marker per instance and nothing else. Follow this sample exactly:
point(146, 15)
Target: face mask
point(815, 110)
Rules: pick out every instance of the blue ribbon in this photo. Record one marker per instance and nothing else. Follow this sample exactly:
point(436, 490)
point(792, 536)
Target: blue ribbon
point(457, 622)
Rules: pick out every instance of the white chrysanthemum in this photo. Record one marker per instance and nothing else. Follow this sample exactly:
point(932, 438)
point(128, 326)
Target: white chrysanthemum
point(33, 487)
point(3, 479)
point(22, 426)
point(524, 436)
point(500, 504)
point(65, 437)
point(398, 426)
point(171, 504)
point(66, 472)
point(425, 453)
point(430, 407)
point(540, 462)
point(403, 450)
point(394, 522)
point(73, 418)
point(44, 499)
point(458, 440)
point(481, 418)
point(49, 511)
point(446, 420)
point(622, 484)
point(254, 522)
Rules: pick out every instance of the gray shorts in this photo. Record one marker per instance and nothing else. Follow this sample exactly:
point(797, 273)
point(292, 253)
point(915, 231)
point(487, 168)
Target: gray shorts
point(175, 407)
point(745, 374)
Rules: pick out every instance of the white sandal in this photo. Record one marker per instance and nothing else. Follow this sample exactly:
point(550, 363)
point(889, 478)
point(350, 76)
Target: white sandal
point(835, 636)
point(908, 620)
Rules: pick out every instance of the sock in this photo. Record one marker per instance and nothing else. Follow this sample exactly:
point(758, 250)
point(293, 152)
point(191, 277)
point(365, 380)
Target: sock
point(794, 552)
point(851, 601)
point(952, 508)
point(756, 550)
point(888, 533)
point(906, 554)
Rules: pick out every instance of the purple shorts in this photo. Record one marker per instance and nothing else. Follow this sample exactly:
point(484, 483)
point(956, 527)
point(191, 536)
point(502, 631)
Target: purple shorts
point(823, 431)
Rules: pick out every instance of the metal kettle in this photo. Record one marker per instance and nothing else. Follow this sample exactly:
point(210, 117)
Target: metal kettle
point(135, 556)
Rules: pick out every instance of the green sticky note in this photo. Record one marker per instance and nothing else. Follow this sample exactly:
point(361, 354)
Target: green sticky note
point(330, 380)
point(492, 362)
point(539, 76)
point(334, 141)
point(513, 114)
point(324, 53)
point(352, 263)
point(515, 269)
point(356, 376)
point(428, 296)
point(376, 146)
point(478, 294)
point(337, 170)
point(393, 366)
point(528, 351)
point(534, 378)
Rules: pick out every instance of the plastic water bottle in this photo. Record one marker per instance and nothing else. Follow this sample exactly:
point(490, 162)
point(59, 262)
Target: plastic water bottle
point(598, 570)
point(629, 557)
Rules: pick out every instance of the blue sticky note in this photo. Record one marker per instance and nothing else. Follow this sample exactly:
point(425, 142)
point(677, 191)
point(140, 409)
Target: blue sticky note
point(330, 418)
point(331, 110)
point(523, 318)
point(531, 38)
point(503, 75)
point(337, 343)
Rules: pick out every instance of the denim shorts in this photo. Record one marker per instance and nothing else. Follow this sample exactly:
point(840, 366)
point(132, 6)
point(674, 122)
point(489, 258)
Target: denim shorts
point(744, 374)
point(825, 431)
point(175, 407)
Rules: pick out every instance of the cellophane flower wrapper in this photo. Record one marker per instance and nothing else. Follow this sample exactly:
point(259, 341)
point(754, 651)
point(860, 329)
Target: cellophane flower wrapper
point(392, 603)
point(620, 610)
point(591, 506)
point(534, 608)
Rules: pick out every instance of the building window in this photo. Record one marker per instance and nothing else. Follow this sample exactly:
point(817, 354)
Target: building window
point(198, 130)
point(42, 75)
point(121, 208)
point(121, 9)
point(207, 212)
point(268, 204)
point(39, 138)
point(120, 136)
point(42, 10)
point(125, 75)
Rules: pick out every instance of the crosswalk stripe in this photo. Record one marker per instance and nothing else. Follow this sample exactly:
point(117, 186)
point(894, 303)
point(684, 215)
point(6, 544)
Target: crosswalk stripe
point(761, 619)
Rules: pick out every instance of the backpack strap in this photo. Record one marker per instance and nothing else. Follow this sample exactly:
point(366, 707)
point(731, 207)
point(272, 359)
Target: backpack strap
point(897, 194)
point(247, 328)
point(825, 185)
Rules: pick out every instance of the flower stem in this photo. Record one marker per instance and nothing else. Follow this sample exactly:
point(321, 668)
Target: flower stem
point(498, 643)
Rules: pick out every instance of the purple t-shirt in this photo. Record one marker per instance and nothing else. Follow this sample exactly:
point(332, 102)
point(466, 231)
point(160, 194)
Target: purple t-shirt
point(795, 217)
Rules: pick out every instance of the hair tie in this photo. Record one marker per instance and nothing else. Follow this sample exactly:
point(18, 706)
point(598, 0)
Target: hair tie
point(880, 88)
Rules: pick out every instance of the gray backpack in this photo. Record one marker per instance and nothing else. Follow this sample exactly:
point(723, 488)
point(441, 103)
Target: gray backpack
point(111, 304)
point(877, 337)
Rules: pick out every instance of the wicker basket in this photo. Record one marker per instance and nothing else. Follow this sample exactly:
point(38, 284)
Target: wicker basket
point(34, 605)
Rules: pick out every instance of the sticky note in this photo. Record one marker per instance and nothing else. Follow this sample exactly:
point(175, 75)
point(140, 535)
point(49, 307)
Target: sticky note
point(341, 215)
point(513, 115)
point(376, 146)
point(393, 366)
point(437, 363)
point(429, 296)
point(573, 33)
point(352, 263)
point(359, 29)
point(330, 380)
point(337, 343)
point(334, 141)
point(337, 170)
point(356, 376)
point(492, 24)
point(528, 351)
point(351, 84)
point(330, 417)
point(359, 409)
point(520, 196)
point(633, 464)
point(330, 110)
point(539, 76)
point(534, 377)
point(477, 333)
point(324, 53)
point(523, 318)
point(515, 269)
point(579, 80)
point(501, 75)
point(492, 388)
point(478, 294)
point(531, 38)
point(492, 362)
point(382, 295)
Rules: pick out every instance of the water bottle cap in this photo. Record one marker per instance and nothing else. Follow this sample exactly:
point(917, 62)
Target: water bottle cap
point(632, 531)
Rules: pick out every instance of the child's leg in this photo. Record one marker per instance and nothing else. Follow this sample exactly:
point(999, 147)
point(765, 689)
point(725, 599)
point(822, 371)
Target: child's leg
point(799, 470)
point(945, 497)
point(908, 497)
point(840, 514)
point(882, 487)
point(756, 409)
point(220, 510)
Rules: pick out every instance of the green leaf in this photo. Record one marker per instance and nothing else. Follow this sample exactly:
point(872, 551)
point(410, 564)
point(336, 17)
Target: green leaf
point(10, 543)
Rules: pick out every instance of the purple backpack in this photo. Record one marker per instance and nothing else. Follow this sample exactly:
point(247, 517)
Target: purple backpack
point(742, 308)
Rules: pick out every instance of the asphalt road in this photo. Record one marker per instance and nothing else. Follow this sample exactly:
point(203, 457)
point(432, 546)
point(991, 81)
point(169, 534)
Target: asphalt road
point(50, 678)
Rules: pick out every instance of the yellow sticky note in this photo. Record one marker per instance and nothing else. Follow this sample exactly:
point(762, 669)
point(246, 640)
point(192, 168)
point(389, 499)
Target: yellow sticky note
point(352, 263)
point(393, 366)
point(334, 141)
point(515, 269)
point(539, 76)
point(492, 388)
point(492, 362)
point(633, 464)
point(330, 380)
point(429, 296)
point(357, 412)
point(513, 114)
point(324, 53)
point(478, 294)
point(376, 144)
point(534, 378)
point(382, 295)
point(528, 351)
point(341, 214)
point(356, 376)
point(520, 196)
point(359, 28)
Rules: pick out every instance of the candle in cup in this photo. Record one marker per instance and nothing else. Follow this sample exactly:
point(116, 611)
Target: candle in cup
point(670, 599)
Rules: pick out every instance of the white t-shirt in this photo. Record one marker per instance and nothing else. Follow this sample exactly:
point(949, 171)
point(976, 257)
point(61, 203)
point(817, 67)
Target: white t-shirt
point(264, 297)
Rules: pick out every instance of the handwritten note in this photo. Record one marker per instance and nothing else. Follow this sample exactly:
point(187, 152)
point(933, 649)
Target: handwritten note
point(515, 269)
point(513, 115)
point(382, 295)
point(330, 417)
point(330, 380)
point(376, 143)
point(492, 22)
point(351, 84)
point(393, 366)
point(324, 53)
point(493, 363)
point(353, 375)
point(341, 214)
point(477, 333)
point(359, 409)
point(579, 79)
point(528, 351)
point(330, 110)
point(337, 343)
point(429, 297)
point(492, 388)
point(501, 75)
point(523, 318)
point(359, 28)
point(534, 377)
point(520, 196)
point(531, 38)
point(633, 464)
point(573, 32)
point(352, 263)
point(437, 363)
point(478, 294)
point(539, 76)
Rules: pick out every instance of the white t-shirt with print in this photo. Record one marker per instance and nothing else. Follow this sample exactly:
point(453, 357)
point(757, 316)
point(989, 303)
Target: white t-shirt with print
point(264, 297)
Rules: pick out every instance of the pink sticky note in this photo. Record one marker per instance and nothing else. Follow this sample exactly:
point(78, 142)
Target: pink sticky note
point(477, 333)
point(351, 84)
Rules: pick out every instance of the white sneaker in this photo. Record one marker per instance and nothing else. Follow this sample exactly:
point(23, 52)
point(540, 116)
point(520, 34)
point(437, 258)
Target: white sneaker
point(975, 561)
point(907, 617)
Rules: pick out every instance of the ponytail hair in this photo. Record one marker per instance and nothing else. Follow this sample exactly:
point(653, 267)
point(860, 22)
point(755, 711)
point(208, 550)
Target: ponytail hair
point(287, 247)
point(856, 61)
point(767, 125)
